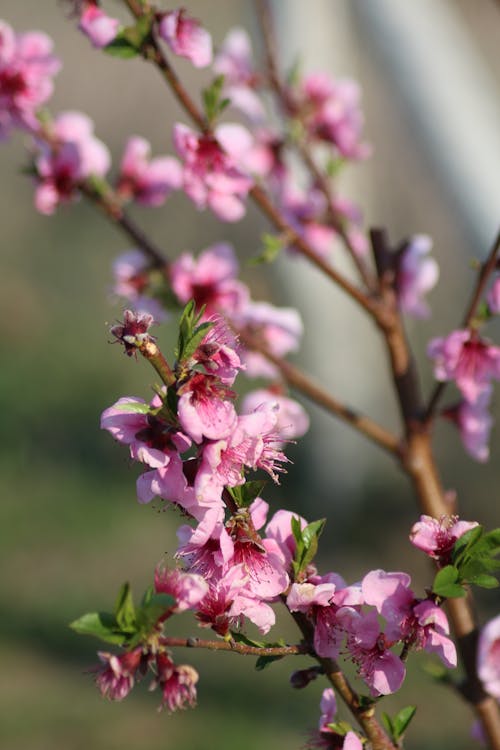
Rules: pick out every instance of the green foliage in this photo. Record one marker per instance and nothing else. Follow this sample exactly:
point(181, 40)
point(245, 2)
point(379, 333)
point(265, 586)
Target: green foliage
point(245, 494)
point(213, 103)
point(397, 726)
point(126, 625)
point(473, 559)
point(446, 583)
point(129, 42)
point(273, 245)
point(190, 333)
point(307, 543)
point(262, 661)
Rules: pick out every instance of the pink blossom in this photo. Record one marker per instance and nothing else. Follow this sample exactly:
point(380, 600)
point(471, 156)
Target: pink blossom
point(130, 271)
point(306, 210)
point(117, 676)
point(132, 275)
point(188, 589)
point(151, 439)
point(432, 633)
point(177, 683)
point(279, 329)
point(234, 62)
point(468, 359)
point(27, 67)
point(77, 155)
point(326, 737)
point(203, 409)
point(251, 444)
point(416, 275)
point(133, 331)
point(488, 657)
point(266, 575)
point(292, 419)
point(474, 422)
point(303, 596)
point(168, 482)
point(100, 28)
point(217, 352)
point(381, 669)
point(211, 175)
point(333, 114)
point(437, 538)
point(148, 181)
point(186, 37)
point(279, 528)
point(392, 597)
point(210, 280)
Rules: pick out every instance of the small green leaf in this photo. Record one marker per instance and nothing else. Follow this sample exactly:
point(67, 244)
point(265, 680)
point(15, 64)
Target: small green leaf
point(132, 407)
point(212, 102)
point(465, 542)
point(241, 638)
point(402, 720)
point(339, 727)
point(124, 610)
point(445, 581)
point(244, 494)
point(273, 245)
point(121, 47)
point(264, 661)
point(387, 722)
point(102, 625)
point(195, 340)
point(484, 580)
point(149, 613)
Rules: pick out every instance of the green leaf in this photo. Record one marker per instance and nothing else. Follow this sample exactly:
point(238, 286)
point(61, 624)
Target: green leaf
point(402, 720)
point(389, 727)
point(195, 340)
point(264, 661)
point(242, 638)
point(491, 542)
point(149, 613)
point(133, 408)
point(465, 542)
point(244, 494)
point(213, 104)
point(484, 580)
point(121, 47)
point(445, 582)
point(102, 625)
point(339, 727)
point(124, 610)
point(307, 543)
point(273, 245)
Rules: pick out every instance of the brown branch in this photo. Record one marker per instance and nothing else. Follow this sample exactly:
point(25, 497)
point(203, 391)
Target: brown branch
point(366, 302)
point(110, 205)
point(487, 268)
point(303, 383)
point(153, 53)
point(417, 460)
point(287, 106)
point(236, 647)
point(364, 715)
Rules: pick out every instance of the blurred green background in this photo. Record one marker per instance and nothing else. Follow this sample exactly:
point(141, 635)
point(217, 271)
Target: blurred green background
point(71, 530)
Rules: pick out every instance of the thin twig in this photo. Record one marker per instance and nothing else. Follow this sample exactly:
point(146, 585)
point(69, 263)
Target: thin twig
point(305, 384)
point(283, 97)
point(109, 204)
point(153, 53)
point(236, 647)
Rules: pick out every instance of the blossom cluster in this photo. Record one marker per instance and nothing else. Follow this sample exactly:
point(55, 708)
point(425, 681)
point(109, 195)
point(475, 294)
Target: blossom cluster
point(197, 450)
